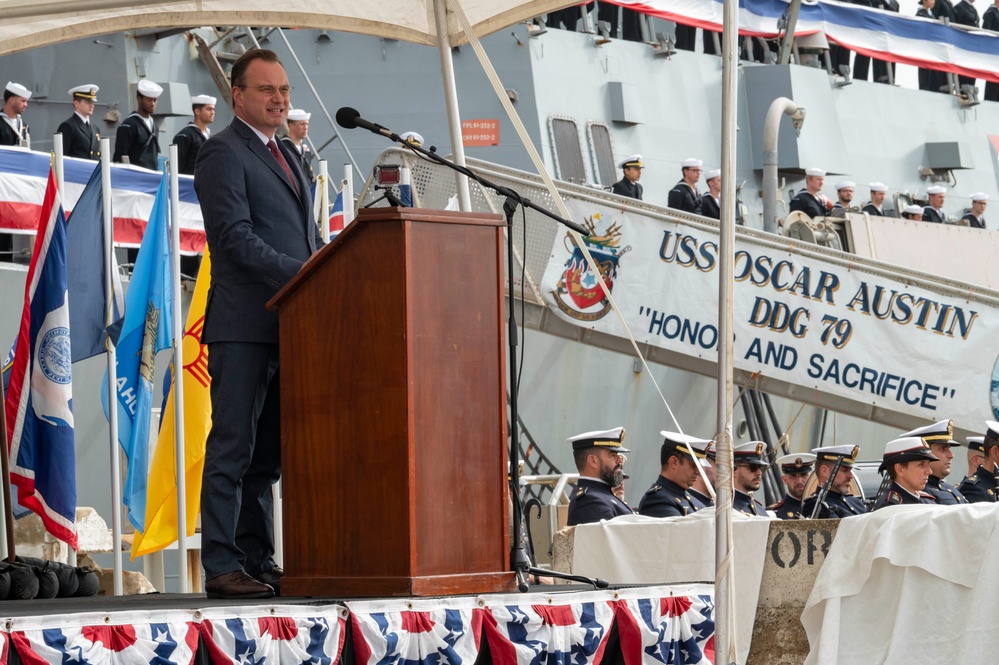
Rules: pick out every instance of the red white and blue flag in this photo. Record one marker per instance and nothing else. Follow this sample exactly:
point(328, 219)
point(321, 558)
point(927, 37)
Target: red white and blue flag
point(336, 215)
point(287, 636)
point(56, 641)
point(39, 400)
point(417, 632)
point(537, 630)
point(657, 628)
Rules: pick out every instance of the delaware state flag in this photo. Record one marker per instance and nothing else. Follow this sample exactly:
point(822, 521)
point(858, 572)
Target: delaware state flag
point(39, 402)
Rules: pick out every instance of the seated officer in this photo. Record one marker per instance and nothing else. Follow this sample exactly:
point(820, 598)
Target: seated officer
point(747, 477)
point(619, 490)
point(976, 454)
point(940, 439)
point(981, 485)
point(668, 496)
point(598, 460)
point(699, 491)
point(795, 469)
point(839, 502)
point(907, 463)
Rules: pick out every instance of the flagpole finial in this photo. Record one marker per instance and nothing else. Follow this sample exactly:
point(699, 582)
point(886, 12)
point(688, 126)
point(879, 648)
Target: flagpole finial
point(52, 159)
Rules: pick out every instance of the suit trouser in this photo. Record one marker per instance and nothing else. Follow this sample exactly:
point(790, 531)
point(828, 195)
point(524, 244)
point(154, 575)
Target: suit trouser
point(242, 459)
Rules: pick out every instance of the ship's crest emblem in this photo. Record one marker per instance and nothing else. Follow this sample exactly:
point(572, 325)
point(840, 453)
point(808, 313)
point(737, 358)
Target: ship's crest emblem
point(578, 293)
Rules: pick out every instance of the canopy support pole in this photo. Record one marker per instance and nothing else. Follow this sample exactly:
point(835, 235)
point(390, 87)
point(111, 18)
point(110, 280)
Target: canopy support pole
point(451, 102)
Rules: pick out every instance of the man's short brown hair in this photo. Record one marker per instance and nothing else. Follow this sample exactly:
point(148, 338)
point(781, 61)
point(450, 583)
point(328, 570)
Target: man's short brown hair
point(238, 73)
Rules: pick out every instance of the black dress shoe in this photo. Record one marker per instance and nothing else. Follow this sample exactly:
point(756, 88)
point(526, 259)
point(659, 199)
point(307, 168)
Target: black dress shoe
point(237, 585)
point(272, 578)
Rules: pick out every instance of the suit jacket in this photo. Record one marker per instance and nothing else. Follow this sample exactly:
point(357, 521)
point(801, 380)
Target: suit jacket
point(931, 215)
point(7, 134)
point(259, 229)
point(189, 141)
point(625, 187)
point(79, 139)
point(135, 140)
point(304, 158)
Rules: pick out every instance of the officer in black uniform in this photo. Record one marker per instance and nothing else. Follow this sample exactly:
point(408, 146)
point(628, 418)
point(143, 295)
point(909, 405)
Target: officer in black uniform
point(934, 211)
point(684, 195)
point(976, 218)
point(876, 208)
point(711, 199)
point(298, 129)
point(190, 139)
point(138, 135)
point(679, 458)
point(699, 492)
point(939, 437)
point(748, 476)
point(15, 101)
point(839, 502)
point(795, 469)
point(598, 460)
point(976, 453)
point(79, 137)
point(628, 185)
point(982, 486)
point(907, 463)
point(810, 200)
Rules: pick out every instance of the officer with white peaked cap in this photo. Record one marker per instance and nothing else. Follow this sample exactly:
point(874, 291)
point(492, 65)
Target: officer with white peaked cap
point(747, 476)
point(598, 460)
point(839, 502)
point(907, 463)
point(982, 486)
point(628, 185)
point(939, 437)
point(79, 136)
point(679, 457)
point(795, 469)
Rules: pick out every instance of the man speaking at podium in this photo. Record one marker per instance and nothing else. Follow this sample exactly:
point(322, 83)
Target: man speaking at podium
point(257, 211)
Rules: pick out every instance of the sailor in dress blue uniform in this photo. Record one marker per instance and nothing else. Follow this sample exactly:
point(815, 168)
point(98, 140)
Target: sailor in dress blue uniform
point(940, 438)
point(747, 476)
point(679, 458)
point(976, 218)
point(839, 501)
point(981, 486)
point(684, 195)
point(810, 200)
point(934, 211)
point(795, 469)
point(907, 462)
point(711, 199)
point(15, 101)
point(598, 460)
point(876, 208)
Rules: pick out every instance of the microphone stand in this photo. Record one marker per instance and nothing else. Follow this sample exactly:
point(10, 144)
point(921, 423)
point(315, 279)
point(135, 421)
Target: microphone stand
point(520, 562)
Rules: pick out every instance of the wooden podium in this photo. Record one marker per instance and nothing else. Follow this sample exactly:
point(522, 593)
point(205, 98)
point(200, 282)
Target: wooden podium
point(393, 410)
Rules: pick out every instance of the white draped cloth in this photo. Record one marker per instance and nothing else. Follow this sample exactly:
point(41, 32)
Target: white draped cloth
point(908, 584)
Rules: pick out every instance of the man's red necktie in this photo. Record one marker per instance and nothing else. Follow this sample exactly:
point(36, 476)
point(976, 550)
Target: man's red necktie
point(284, 164)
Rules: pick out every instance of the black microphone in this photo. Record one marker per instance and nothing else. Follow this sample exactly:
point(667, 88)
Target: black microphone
point(349, 118)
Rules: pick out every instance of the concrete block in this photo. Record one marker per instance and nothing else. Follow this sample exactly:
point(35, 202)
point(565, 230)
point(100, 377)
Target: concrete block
point(133, 583)
point(562, 551)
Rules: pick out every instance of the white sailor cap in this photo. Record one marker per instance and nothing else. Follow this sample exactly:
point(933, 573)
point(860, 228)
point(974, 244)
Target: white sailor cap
point(815, 171)
point(712, 174)
point(796, 463)
point(845, 184)
point(634, 161)
point(936, 189)
point(991, 431)
point(88, 91)
point(878, 187)
point(147, 88)
point(412, 137)
point(691, 163)
point(906, 449)
point(977, 196)
point(203, 100)
point(610, 439)
point(938, 432)
point(684, 444)
point(750, 453)
point(975, 443)
point(18, 89)
point(298, 115)
point(832, 453)
point(913, 210)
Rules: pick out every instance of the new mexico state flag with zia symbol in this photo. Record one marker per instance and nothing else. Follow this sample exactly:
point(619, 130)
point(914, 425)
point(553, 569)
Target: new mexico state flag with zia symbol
point(161, 497)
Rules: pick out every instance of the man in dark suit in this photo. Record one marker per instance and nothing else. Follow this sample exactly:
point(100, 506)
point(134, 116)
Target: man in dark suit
point(598, 460)
point(79, 138)
point(934, 211)
point(190, 139)
point(138, 136)
point(257, 211)
point(711, 200)
point(15, 101)
point(628, 185)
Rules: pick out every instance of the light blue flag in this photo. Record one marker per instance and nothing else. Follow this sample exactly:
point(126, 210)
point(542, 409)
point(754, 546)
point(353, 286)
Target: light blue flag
point(146, 330)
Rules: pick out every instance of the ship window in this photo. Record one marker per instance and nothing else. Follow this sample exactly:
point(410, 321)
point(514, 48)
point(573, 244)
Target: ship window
point(569, 165)
point(602, 152)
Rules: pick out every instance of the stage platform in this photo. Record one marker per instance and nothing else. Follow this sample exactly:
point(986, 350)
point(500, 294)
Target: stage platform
point(564, 623)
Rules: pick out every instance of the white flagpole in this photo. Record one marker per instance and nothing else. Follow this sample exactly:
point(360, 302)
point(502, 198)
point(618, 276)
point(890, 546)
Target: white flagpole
point(178, 376)
point(324, 199)
point(348, 195)
point(58, 165)
point(109, 296)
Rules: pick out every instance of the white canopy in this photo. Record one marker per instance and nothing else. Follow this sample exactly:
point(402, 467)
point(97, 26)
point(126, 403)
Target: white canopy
point(26, 24)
